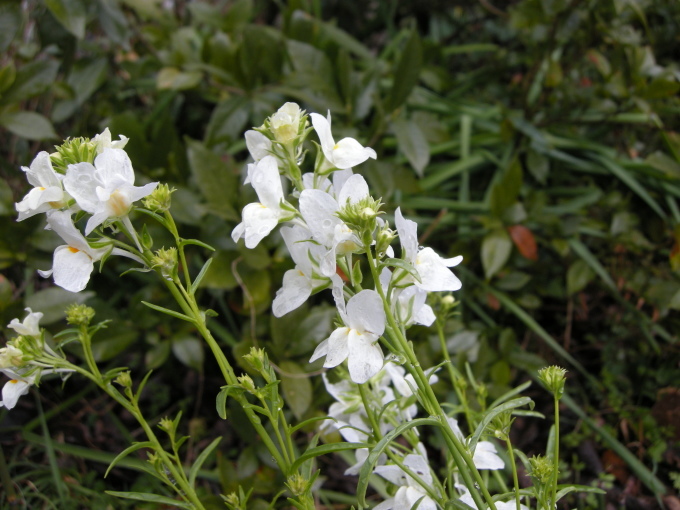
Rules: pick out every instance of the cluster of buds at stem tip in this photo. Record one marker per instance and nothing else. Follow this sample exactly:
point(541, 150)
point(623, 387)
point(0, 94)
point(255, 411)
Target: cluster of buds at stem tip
point(165, 260)
point(542, 469)
point(79, 315)
point(361, 217)
point(553, 378)
point(160, 199)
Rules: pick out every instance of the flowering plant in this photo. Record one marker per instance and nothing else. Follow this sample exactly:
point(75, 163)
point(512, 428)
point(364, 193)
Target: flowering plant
point(335, 231)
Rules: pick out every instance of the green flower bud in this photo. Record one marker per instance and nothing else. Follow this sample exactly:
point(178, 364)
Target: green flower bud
point(79, 315)
point(247, 383)
point(166, 261)
point(166, 424)
point(73, 151)
point(542, 469)
point(297, 484)
point(384, 239)
point(553, 378)
point(160, 199)
point(124, 379)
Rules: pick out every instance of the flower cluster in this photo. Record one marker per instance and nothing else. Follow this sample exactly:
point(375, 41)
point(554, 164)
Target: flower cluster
point(25, 359)
point(82, 177)
point(336, 218)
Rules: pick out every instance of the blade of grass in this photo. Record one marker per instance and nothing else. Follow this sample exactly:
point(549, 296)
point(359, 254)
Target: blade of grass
point(446, 172)
point(51, 457)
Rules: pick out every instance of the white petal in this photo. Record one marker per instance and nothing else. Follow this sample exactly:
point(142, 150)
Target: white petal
point(366, 313)
point(29, 326)
point(453, 423)
point(99, 216)
point(420, 467)
point(135, 193)
point(393, 474)
point(453, 261)
point(62, 224)
point(113, 165)
point(294, 292)
point(408, 235)
point(12, 390)
point(323, 131)
point(258, 145)
point(348, 153)
point(320, 351)
point(41, 174)
point(299, 243)
point(365, 357)
point(434, 275)
point(71, 268)
point(486, 457)
point(337, 348)
point(318, 210)
point(238, 232)
point(354, 189)
point(340, 178)
point(266, 180)
point(81, 182)
point(259, 221)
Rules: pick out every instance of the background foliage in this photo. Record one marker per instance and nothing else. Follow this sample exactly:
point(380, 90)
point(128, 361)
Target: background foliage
point(537, 140)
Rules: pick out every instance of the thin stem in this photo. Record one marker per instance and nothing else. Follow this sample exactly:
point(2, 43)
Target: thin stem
point(556, 455)
point(453, 375)
point(515, 479)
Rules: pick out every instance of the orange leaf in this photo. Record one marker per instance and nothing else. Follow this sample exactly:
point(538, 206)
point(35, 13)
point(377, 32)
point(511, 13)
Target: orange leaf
point(524, 240)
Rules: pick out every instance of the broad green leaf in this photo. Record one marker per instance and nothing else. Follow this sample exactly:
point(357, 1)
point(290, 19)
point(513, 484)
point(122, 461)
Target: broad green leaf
point(32, 79)
point(227, 121)
point(413, 144)
point(7, 76)
point(53, 301)
point(84, 79)
point(200, 460)
point(579, 275)
point(126, 452)
point(505, 190)
point(496, 249)
point(189, 350)
point(29, 125)
point(296, 388)
point(72, 14)
point(10, 23)
point(114, 23)
point(175, 79)
point(216, 179)
point(151, 498)
point(406, 73)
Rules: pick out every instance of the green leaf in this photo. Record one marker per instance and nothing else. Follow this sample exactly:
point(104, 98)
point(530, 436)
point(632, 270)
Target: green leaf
point(413, 144)
point(189, 350)
point(53, 301)
point(7, 76)
point(174, 79)
point(126, 452)
point(369, 465)
point(406, 73)
point(505, 190)
point(32, 79)
point(317, 451)
point(221, 404)
point(579, 275)
point(151, 498)
point(446, 172)
point(216, 179)
point(297, 391)
point(492, 413)
point(587, 256)
point(566, 489)
point(200, 460)
point(114, 23)
point(84, 79)
point(538, 165)
point(10, 23)
point(29, 125)
point(228, 120)
point(72, 14)
point(401, 264)
point(496, 249)
point(197, 281)
point(169, 312)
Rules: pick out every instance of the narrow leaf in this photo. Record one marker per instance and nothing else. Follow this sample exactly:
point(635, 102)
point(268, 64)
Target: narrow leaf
point(199, 278)
point(169, 312)
point(491, 414)
point(200, 460)
point(126, 452)
point(152, 498)
point(324, 449)
point(406, 73)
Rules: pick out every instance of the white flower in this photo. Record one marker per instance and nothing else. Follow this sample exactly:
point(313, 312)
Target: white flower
point(485, 455)
point(47, 194)
point(29, 326)
point(410, 491)
point(258, 145)
point(344, 154)
point(364, 321)
point(432, 269)
point(318, 209)
point(260, 218)
point(405, 383)
point(408, 304)
point(73, 262)
point(103, 141)
point(299, 283)
point(13, 389)
point(466, 498)
point(106, 190)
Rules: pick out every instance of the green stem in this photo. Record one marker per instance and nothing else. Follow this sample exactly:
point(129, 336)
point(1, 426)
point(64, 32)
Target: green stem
point(515, 479)
point(556, 459)
point(429, 400)
point(453, 375)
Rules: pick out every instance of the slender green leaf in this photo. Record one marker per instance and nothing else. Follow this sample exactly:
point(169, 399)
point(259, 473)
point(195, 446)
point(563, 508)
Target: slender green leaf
point(413, 144)
point(200, 276)
point(72, 14)
point(587, 256)
point(447, 172)
point(324, 449)
point(126, 452)
point(406, 73)
point(169, 312)
point(492, 413)
point(566, 489)
point(151, 498)
point(309, 422)
point(200, 460)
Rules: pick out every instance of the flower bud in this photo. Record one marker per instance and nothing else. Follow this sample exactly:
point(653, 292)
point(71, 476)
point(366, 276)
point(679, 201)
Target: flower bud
point(297, 484)
point(166, 261)
point(11, 357)
point(542, 469)
point(160, 198)
point(553, 378)
point(79, 315)
point(124, 379)
point(247, 383)
point(73, 151)
point(166, 424)
point(383, 239)
point(287, 123)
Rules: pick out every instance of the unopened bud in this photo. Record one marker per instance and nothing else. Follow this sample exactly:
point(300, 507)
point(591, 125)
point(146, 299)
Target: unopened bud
point(166, 424)
point(79, 315)
point(297, 484)
point(542, 469)
point(160, 198)
point(166, 262)
point(247, 383)
point(73, 151)
point(124, 379)
point(553, 378)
